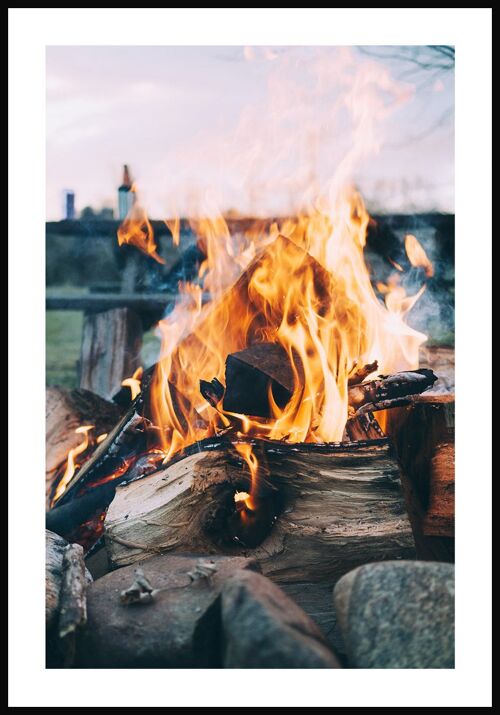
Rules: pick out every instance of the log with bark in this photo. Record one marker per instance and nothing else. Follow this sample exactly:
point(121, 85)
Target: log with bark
point(322, 509)
point(66, 580)
point(65, 411)
point(424, 436)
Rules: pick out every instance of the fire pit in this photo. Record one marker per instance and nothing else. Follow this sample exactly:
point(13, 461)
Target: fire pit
point(281, 422)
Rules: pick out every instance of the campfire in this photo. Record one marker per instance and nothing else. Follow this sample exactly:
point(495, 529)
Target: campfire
point(282, 358)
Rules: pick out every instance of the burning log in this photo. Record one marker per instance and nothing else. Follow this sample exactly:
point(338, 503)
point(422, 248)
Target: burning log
point(253, 372)
point(389, 390)
point(320, 509)
point(66, 411)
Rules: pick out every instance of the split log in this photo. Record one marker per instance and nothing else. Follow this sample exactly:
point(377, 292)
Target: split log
point(424, 436)
point(111, 346)
point(65, 411)
point(325, 509)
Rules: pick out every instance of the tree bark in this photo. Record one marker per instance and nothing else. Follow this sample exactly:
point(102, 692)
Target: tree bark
point(324, 509)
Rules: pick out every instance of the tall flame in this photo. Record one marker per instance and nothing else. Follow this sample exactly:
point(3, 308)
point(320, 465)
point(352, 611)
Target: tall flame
point(301, 282)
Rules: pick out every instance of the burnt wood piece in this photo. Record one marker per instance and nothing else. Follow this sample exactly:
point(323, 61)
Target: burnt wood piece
point(252, 372)
point(212, 391)
point(110, 352)
point(65, 519)
point(337, 506)
point(424, 436)
point(363, 427)
point(65, 410)
point(389, 390)
point(361, 372)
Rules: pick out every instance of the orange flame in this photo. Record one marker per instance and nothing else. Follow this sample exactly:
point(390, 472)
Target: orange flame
point(134, 382)
point(70, 462)
point(311, 293)
point(417, 255)
point(246, 451)
point(300, 282)
point(137, 231)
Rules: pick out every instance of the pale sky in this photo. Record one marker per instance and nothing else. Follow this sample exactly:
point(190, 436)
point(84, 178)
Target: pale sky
point(253, 129)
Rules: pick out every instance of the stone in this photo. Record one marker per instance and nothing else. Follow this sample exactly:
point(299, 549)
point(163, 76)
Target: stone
point(398, 614)
point(178, 627)
point(263, 628)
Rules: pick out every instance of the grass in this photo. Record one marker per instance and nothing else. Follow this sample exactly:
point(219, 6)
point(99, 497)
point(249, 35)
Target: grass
point(63, 341)
point(63, 333)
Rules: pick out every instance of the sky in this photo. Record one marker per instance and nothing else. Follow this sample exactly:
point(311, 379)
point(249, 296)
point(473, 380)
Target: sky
point(258, 130)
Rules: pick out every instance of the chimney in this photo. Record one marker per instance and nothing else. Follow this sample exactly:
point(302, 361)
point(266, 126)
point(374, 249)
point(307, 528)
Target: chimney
point(126, 195)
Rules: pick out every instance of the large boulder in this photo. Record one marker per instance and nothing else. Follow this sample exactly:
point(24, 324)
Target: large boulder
point(398, 614)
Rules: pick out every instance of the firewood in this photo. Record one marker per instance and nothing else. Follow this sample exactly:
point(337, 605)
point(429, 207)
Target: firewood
point(361, 372)
point(327, 509)
point(389, 390)
point(66, 410)
point(424, 436)
point(73, 602)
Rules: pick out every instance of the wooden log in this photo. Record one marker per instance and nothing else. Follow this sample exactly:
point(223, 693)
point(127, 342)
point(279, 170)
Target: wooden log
point(111, 346)
point(73, 605)
point(55, 547)
point(329, 508)
point(66, 410)
point(424, 436)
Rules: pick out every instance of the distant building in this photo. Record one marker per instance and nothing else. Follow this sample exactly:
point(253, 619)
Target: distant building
point(126, 194)
point(69, 204)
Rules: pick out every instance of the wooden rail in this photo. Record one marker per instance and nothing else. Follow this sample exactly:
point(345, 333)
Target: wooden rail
point(108, 301)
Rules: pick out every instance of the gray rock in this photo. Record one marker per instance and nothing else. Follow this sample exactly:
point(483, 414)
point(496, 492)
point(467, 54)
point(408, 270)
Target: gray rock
point(398, 614)
point(263, 628)
point(179, 627)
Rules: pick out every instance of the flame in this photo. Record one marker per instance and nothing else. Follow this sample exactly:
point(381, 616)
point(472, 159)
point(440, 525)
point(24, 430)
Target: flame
point(101, 438)
point(301, 281)
point(134, 382)
point(417, 255)
point(248, 499)
point(312, 293)
point(70, 462)
point(174, 226)
point(137, 231)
